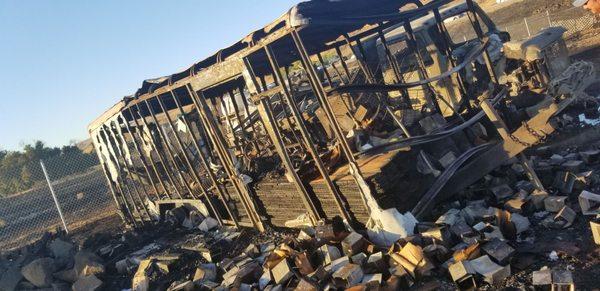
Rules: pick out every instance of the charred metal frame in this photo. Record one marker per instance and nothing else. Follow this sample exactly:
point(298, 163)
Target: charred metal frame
point(212, 126)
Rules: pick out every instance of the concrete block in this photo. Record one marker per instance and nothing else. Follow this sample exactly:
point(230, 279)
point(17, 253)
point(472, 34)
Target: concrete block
point(87, 283)
point(595, 226)
point(39, 272)
point(498, 250)
point(354, 243)
point(589, 202)
point(282, 272)
point(348, 276)
point(491, 272)
point(554, 203)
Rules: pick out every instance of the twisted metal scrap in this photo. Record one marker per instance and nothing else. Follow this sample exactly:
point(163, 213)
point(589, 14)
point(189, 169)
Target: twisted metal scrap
point(573, 81)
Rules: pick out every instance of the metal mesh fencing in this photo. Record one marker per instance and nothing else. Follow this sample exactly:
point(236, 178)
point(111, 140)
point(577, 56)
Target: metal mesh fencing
point(80, 189)
point(574, 19)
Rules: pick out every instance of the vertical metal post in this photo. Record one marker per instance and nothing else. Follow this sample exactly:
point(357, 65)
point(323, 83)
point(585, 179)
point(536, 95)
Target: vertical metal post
point(361, 60)
point(548, 16)
point(322, 97)
point(122, 183)
point(411, 42)
point(310, 207)
point(226, 161)
point(306, 135)
point(126, 170)
point(448, 52)
point(96, 142)
point(62, 218)
point(170, 155)
point(236, 141)
point(338, 51)
point(395, 67)
point(160, 158)
point(205, 163)
point(124, 142)
point(136, 146)
point(187, 160)
point(527, 26)
point(327, 75)
point(480, 35)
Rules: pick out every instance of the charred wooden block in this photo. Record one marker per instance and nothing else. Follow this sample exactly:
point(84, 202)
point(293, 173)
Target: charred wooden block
point(347, 276)
point(554, 203)
point(354, 243)
point(590, 203)
point(282, 272)
point(500, 251)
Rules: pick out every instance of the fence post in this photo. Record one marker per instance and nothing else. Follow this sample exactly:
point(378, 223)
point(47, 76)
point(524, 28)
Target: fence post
point(548, 16)
point(527, 27)
point(54, 196)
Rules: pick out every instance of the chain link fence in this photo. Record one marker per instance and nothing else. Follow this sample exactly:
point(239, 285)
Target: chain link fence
point(80, 189)
point(573, 19)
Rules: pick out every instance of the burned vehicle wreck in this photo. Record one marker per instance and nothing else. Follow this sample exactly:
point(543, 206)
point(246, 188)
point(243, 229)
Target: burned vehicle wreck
point(358, 109)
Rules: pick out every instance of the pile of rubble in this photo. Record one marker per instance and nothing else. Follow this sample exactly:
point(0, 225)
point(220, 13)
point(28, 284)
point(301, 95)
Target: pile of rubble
point(478, 241)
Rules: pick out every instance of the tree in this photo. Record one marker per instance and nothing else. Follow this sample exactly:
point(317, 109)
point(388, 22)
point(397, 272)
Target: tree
point(20, 170)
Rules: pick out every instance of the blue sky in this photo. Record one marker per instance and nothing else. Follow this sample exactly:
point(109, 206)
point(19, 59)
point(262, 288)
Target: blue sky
point(62, 63)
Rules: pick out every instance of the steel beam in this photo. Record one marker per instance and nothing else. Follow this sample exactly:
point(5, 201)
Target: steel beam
point(310, 144)
point(203, 159)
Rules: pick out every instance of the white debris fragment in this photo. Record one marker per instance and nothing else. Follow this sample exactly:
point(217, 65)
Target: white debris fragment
point(553, 256)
